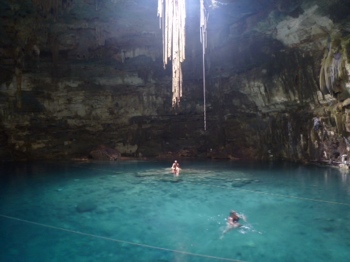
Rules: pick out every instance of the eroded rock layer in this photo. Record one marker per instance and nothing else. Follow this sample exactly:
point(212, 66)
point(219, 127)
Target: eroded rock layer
point(80, 74)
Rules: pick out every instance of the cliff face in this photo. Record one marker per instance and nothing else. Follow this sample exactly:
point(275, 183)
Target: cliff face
point(76, 74)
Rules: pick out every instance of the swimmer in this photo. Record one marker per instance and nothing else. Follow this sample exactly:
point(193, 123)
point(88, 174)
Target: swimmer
point(232, 221)
point(175, 168)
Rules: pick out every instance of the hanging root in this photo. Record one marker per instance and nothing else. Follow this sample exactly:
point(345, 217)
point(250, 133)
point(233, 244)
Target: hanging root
point(172, 17)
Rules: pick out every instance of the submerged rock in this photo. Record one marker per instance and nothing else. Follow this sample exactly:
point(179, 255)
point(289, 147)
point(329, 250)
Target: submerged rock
point(86, 206)
point(171, 180)
point(242, 182)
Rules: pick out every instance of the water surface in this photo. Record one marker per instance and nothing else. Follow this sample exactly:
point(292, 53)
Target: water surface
point(138, 211)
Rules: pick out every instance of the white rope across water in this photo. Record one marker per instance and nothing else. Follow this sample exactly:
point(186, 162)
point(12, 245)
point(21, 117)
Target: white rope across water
point(118, 240)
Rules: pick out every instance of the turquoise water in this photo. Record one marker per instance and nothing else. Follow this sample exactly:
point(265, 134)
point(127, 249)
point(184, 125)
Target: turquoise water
point(138, 211)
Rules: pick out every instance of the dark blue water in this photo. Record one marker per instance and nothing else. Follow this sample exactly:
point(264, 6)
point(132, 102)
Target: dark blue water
point(138, 211)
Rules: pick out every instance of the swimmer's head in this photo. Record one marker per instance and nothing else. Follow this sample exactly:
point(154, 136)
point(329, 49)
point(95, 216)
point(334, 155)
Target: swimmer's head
point(175, 161)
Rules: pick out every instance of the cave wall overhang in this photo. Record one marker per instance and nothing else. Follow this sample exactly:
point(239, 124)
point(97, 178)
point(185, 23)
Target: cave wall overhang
point(90, 72)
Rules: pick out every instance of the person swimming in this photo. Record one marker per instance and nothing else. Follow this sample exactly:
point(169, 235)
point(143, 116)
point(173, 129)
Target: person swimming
point(233, 221)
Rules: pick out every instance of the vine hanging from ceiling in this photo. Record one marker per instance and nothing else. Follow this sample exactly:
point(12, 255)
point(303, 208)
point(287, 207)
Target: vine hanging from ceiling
point(172, 15)
point(172, 18)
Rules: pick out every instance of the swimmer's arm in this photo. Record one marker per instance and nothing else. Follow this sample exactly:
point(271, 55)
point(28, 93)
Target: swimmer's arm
point(243, 217)
point(230, 221)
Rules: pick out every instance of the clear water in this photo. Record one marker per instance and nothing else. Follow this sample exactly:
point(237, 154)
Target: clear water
point(141, 212)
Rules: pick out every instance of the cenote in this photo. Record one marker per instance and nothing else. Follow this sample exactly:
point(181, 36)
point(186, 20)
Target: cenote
point(138, 211)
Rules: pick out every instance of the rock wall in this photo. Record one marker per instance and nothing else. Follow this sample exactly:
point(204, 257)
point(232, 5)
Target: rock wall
point(88, 73)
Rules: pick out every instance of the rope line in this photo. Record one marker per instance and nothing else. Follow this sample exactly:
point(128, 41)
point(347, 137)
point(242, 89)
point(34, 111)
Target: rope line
point(118, 240)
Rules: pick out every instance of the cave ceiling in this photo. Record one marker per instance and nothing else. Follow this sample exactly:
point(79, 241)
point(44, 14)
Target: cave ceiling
point(83, 28)
point(59, 37)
